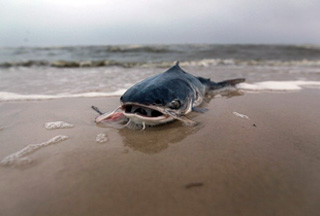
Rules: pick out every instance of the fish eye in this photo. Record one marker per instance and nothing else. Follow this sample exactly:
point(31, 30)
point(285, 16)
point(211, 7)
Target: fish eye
point(175, 104)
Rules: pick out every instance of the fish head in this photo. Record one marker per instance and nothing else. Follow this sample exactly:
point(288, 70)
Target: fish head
point(154, 103)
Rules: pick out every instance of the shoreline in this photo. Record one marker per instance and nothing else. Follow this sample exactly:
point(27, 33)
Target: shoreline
point(266, 164)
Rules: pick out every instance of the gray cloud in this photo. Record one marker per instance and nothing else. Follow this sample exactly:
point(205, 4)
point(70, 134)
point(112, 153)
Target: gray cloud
point(74, 22)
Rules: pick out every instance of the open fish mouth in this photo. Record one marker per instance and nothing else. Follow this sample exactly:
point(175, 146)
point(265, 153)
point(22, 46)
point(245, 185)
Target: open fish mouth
point(149, 115)
point(140, 114)
point(143, 111)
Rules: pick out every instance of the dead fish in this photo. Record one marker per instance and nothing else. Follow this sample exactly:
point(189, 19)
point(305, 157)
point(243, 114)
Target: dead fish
point(163, 98)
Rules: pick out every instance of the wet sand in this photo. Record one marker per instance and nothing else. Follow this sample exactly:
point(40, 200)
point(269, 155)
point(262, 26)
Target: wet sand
point(268, 164)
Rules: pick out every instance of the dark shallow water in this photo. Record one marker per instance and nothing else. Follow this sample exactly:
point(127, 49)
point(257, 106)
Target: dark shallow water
point(89, 71)
point(135, 55)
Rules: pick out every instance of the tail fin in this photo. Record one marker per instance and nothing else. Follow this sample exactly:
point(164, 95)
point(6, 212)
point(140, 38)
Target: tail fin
point(218, 85)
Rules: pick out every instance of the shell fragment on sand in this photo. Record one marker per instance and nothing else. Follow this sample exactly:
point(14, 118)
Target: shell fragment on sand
point(240, 115)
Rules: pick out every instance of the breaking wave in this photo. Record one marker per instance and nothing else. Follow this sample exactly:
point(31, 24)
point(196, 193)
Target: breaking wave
point(138, 48)
point(69, 64)
point(164, 64)
point(159, 55)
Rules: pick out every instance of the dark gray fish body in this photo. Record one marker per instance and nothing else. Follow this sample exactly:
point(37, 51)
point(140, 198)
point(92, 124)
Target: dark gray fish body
point(165, 97)
point(174, 85)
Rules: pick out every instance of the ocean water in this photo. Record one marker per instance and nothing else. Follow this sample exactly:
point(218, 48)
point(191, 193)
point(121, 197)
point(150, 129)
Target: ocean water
point(40, 73)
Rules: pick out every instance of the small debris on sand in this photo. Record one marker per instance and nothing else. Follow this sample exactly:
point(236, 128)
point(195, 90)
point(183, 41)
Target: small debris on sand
point(195, 184)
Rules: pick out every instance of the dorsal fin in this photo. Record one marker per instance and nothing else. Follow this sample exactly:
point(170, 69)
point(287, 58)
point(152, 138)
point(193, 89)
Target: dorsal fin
point(178, 66)
point(175, 68)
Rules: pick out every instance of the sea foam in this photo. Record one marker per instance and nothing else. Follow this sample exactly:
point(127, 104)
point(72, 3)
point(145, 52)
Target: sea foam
point(9, 96)
point(57, 125)
point(18, 157)
point(101, 138)
point(256, 86)
point(277, 85)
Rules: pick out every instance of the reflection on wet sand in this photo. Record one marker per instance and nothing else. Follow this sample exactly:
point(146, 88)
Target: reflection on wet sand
point(156, 139)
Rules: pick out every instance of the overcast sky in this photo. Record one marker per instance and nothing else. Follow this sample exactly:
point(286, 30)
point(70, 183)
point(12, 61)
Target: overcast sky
point(95, 22)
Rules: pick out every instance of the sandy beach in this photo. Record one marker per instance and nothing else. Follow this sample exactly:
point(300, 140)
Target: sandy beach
point(264, 164)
